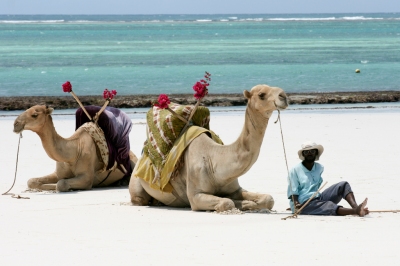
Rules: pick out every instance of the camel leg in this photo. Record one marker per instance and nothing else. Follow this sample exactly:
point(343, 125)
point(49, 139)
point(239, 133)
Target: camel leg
point(126, 179)
point(245, 200)
point(198, 179)
point(139, 196)
point(47, 182)
point(80, 182)
point(207, 202)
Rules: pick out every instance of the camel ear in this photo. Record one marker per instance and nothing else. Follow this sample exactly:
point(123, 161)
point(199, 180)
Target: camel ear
point(49, 110)
point(247, 94)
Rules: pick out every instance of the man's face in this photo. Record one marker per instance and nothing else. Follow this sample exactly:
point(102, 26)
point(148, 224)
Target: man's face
point(310, 155)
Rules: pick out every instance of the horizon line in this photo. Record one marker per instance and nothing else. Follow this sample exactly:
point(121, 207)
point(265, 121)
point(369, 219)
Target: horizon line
point(179, 14)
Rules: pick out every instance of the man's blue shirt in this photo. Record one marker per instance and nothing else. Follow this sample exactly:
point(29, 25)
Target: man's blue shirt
point(304, 183)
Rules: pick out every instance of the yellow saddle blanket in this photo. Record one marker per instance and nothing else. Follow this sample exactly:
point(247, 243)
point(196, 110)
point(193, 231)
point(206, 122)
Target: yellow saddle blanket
point(160, 180)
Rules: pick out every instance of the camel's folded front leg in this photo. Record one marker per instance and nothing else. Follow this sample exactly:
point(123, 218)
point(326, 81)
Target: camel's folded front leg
point(47, 182)
point(245, 200)
point(79, 182)
point(139, 196)
point(207, 202)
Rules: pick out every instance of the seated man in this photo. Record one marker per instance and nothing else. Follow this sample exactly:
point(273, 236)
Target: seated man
point(305, 179)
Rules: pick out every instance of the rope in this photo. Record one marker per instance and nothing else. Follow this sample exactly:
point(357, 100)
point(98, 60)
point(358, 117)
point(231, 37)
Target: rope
point(284, 152)
point(15, 175)
point(287, 168)
point(394, 211)
point(297, 212)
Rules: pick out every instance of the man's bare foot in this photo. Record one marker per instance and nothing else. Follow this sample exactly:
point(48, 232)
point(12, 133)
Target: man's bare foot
point(361, 210)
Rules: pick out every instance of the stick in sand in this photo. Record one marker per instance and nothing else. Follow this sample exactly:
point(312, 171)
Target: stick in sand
point(394, 211)
point(305, 204)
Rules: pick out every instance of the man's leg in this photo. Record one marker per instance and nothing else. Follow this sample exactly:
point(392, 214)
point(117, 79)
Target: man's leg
point(337, 192)
point(319, 207)
point(351, 200)
point(342, 190)
point(360, 210)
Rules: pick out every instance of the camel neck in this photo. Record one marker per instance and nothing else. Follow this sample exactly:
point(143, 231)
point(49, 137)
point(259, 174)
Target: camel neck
point(55, 145)
point(252, 135)
point(247, 146)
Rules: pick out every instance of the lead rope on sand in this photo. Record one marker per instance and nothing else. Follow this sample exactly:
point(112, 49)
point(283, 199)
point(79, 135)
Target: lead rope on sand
point(15, 175)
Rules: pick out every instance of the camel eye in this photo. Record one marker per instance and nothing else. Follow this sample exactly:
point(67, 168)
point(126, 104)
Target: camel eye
point(261, 96)
point(34, 115)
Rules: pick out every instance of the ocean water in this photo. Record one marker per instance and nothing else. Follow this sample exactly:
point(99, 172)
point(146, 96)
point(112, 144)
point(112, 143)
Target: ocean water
point(153, 54)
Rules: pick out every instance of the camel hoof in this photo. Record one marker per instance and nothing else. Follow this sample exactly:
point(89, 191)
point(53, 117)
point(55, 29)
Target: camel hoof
point(33, 183)
point(139, 201)
point(224, 205)
point(268, 202)
point(62, 186)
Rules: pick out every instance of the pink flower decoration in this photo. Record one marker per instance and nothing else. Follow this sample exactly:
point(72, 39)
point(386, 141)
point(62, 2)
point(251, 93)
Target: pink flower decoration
point(109, 95)
point(67, 87)
point(200, 90)
point(163, 101)
point(200, 87)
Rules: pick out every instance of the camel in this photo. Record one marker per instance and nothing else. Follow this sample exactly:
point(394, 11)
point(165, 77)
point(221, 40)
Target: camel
point(208, 179)
point(78, 159)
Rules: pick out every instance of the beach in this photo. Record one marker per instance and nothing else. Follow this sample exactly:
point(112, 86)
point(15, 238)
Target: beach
point(100, 227)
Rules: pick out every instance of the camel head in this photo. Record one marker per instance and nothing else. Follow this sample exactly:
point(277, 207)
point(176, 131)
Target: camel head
point(265, 99)
point(32, 119)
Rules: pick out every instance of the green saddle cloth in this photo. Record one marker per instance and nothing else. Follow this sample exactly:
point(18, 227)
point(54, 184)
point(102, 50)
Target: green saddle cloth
point(163, 130)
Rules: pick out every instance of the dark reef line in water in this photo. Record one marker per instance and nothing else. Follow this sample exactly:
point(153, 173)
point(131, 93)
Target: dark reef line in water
point(237, 99)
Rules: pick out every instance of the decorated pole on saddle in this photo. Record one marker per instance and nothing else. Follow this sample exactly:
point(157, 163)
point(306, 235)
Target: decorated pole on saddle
point(67, 87)
point(163, 102)
point(201, 90)
point(108, 96)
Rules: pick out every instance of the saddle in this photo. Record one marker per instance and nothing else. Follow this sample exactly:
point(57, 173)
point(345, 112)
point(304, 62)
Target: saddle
point(166, 143)
point(115, 126)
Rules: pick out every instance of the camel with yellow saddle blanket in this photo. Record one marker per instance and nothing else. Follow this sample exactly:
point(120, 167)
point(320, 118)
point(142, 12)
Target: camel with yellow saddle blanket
point(198, 171)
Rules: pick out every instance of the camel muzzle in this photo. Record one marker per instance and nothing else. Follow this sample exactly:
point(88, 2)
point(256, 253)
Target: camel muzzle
point(18, 127)
point(281, 106)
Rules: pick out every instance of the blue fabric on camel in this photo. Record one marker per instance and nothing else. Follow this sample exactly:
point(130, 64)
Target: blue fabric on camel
point(116, 126)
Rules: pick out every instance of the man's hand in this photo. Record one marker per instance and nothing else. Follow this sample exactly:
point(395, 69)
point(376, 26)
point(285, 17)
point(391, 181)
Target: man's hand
point(297, 206)
point(296, 203)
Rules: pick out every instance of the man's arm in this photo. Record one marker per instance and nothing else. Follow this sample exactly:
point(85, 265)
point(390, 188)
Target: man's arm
point(293, 187)
point(297, 204)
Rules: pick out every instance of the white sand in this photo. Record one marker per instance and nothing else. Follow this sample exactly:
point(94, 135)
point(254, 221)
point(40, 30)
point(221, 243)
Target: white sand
point(98, 227)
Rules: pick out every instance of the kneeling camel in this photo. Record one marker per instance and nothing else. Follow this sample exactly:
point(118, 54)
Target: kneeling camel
point(78, 159)
point(208, 179)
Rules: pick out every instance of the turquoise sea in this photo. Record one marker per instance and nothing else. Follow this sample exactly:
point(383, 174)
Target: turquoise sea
point(152, 54)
